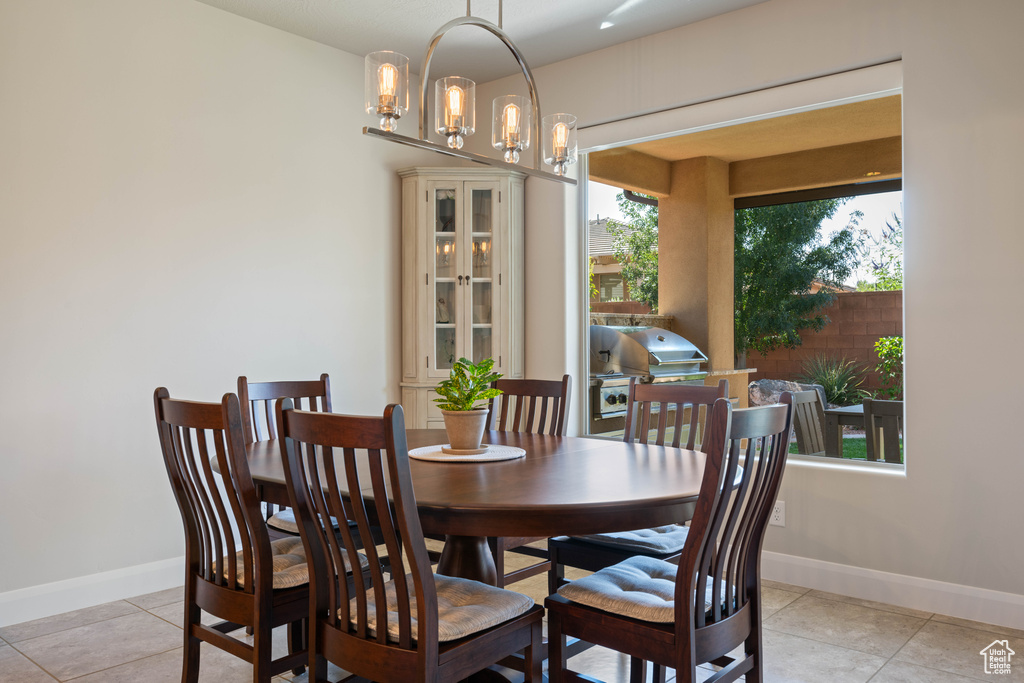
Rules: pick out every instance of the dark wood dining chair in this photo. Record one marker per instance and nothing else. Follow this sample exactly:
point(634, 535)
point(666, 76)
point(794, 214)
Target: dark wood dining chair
point(651, 407)
point(680, 616)
point(883, 429)
point(809, 422)
point(411, 627)
point(534, 406)
point(232, 568)
point(258, 401)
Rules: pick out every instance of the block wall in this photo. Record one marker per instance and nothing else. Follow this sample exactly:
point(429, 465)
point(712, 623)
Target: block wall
point(857, 320)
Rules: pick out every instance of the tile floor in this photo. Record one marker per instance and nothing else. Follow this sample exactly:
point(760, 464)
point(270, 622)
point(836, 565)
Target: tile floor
point(809, 636)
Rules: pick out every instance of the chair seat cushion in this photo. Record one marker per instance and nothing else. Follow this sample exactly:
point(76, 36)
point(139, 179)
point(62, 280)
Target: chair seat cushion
point(639, 588)
point(464, 607)
point(285, 521)
point(656, 541)
point(289, 561)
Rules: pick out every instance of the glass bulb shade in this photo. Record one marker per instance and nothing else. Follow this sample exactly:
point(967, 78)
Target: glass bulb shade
point(387, 86)
point(559, 133)
point(510, 128)
point(454, 106)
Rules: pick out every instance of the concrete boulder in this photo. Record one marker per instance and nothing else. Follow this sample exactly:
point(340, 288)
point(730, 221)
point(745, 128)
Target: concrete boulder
point(765, 392)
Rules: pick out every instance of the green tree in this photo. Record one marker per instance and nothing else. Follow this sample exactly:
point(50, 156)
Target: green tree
point(886, 257)
point(636, 248)
point(779, 254)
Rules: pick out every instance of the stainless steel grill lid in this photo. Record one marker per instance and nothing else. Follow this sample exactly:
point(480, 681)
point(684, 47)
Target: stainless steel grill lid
point(642, 351)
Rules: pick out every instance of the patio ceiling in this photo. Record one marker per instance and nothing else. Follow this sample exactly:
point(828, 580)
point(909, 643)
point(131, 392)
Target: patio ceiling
point(836, 145)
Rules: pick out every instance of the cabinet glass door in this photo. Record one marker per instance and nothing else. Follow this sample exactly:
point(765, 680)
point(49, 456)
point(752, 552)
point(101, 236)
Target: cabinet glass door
point(446, 277)
point(481, 279)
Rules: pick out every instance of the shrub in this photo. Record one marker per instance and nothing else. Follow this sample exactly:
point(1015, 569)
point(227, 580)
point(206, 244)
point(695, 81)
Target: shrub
point(840, 377)
point(890, 353)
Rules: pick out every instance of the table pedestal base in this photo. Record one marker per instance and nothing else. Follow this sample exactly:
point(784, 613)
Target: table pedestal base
point(468, 557)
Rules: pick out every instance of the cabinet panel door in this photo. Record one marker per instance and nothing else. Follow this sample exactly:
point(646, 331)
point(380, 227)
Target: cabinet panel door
point(483, 254)
point(444, 220)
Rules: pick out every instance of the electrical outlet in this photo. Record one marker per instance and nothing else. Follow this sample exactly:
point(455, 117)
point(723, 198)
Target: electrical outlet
point(778, 517)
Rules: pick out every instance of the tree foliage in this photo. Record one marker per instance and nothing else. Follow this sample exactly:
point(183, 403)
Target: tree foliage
point(636, 248)
point(779, 255)
point(886, 257)
point(890, 367)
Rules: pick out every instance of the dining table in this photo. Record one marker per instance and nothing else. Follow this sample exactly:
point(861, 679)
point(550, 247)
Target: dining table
point(564, 485)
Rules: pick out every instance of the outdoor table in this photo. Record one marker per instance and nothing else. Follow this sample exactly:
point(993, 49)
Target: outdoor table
point(835, 418)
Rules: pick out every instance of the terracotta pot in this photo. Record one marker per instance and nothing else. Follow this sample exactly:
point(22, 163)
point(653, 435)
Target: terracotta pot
point(465, 427)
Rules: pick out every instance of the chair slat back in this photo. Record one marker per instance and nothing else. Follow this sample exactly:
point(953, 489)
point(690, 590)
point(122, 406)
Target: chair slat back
point(220, 511)
point(808, 422)
point(536, 406)
point(356, 469)
point(682, 406)
point(727, 530)
point(260, 398)
point(883, 427)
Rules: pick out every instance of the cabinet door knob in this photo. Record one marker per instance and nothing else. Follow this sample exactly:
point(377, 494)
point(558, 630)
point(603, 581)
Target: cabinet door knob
point(460, 279)
point(467, 279)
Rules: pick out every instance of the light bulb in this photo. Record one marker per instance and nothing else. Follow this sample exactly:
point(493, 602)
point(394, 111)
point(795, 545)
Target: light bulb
point(387, 77)
point(561, 138)
point(510, 125)
point(455, 101)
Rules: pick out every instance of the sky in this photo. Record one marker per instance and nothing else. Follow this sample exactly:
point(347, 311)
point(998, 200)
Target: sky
point(877, 208)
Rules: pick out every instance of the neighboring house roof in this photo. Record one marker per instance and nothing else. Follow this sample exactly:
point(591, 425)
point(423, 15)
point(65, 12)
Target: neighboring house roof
point(600, 240)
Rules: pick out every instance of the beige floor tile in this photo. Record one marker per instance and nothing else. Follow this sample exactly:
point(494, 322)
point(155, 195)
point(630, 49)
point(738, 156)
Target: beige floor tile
point(175, 614)
point(17, 668)
point(105, 644)
point(160, 598)
point(784, 586)
point(870, 603)
point(774, 599)
point(977, 625)
point(63, 622)
point(905, 672)
point(956, 649)
point(791, 659)
point(850, 626)
point(215, 666)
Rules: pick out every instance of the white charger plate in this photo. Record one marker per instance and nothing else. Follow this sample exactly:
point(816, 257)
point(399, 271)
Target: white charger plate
point(494, 452)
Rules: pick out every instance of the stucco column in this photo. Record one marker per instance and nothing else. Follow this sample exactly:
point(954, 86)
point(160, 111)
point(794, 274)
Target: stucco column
point(695, 257)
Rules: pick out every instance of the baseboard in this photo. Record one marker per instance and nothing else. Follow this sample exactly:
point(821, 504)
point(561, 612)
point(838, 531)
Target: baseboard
point(955, 600)
point(58, 597)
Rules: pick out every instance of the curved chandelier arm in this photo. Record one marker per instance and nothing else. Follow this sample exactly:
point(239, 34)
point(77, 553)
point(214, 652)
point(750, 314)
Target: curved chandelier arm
point(484, 24)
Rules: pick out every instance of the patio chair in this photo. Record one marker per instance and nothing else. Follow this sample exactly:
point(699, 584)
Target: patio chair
point(809, 422)
point(883, 429)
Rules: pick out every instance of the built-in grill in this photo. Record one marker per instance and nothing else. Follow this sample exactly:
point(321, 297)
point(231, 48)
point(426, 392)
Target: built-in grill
point(651, 354)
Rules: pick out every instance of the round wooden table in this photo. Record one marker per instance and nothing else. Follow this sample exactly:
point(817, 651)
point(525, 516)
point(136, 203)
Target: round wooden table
point(564, 486)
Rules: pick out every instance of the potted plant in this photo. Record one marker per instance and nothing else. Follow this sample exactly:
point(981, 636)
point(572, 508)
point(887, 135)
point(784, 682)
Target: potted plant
point(458, 397)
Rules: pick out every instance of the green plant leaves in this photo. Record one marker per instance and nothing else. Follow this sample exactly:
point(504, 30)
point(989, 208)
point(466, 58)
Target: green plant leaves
point(467, 385)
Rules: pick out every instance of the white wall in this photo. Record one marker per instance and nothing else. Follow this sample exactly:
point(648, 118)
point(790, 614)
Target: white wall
point(953, 519)
point(185, 196)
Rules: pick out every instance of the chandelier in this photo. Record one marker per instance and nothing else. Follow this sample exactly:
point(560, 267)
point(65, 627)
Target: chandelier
point(516, 120)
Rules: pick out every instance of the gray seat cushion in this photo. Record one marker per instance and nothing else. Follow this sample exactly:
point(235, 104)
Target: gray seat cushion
point(464, 607)
point(639, 588)
point(657, 541)
point(285, 521)
point(290, 567)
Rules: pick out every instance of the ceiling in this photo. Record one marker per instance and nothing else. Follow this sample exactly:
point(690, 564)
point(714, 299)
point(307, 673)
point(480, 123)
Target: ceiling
point(545, 31)
point(830, 127)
